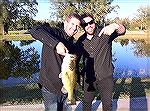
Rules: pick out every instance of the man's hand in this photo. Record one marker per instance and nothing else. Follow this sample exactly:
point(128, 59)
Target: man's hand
point(61, 49)
point(108, 30)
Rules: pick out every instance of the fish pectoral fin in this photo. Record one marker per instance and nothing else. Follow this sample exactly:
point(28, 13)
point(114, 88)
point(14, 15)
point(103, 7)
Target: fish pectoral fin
point(71, 102)
point(60, 75)
point(63, 90)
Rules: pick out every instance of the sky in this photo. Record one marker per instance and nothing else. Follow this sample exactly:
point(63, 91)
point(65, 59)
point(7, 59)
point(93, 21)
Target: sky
point(128, 9)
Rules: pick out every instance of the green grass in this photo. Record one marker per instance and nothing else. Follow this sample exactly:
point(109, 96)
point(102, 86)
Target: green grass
point(19, 35)
point(16, 35)
point(23, 94)
point(131, 87)
point(31, 94)
point(16, 32)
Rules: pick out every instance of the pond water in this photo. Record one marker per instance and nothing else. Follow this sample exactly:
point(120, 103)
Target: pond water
point(130, 58)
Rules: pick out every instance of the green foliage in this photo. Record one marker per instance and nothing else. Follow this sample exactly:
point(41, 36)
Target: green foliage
point(1, 20)
point(98, 8)
point(14, 10)
point(144, 15)
point(16, 62)
point(141, 22)
point(28, 65)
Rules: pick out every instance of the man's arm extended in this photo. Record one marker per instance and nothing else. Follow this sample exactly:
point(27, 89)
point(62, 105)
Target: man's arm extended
point(47, 36)
point(109, 29)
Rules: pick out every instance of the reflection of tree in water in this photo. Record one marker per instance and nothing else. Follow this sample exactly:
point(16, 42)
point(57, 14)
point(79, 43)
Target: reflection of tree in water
point(17, 63)
point(124, 42)
point(26, 42)
point(142, 48)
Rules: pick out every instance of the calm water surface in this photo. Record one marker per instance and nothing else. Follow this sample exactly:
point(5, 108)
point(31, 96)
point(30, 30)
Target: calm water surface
point(129, 64)
point(126, 62)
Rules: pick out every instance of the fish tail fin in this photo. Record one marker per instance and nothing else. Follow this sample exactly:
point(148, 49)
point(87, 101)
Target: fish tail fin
point(72, 101)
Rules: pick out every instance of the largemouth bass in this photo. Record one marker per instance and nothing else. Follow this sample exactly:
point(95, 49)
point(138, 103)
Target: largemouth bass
point(69, 77)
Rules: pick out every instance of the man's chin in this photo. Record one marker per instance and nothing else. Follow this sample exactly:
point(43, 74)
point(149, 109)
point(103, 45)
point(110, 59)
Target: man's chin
point(90, 33)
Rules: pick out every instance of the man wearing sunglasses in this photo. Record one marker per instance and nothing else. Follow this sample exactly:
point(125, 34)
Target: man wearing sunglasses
point(98, 65)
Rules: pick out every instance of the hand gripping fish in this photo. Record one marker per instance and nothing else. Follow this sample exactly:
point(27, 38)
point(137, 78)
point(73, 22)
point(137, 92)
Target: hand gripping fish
point(69, 77)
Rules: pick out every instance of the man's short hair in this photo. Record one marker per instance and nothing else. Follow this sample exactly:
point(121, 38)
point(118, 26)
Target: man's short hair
point(75, 15)
point(86, 15)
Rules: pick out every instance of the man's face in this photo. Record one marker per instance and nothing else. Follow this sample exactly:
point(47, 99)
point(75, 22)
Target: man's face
point(72, 26)
point(89, 25)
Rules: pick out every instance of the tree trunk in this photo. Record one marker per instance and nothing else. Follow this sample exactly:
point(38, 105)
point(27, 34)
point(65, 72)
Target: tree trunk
point(6, 27)
point(1, 27)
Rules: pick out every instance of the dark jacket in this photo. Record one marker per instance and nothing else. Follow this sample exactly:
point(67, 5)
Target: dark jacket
point(51, 61)
point(98, 56)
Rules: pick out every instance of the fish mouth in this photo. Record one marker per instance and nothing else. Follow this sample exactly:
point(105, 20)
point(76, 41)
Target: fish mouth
point(72, 57)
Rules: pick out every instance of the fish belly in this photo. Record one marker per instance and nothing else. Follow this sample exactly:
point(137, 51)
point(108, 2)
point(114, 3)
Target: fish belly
point(69, 78)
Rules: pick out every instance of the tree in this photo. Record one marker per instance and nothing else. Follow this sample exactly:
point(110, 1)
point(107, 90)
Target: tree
point(1, 21)
point(98, 8)
point(143, 16)
point(142, 48)
point(15, 9)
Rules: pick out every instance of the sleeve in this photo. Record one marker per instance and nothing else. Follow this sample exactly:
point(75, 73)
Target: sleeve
point(118, 32)
point(45, 34)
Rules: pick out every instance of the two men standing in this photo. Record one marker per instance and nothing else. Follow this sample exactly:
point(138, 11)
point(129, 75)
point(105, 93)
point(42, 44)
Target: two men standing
point(95, 46)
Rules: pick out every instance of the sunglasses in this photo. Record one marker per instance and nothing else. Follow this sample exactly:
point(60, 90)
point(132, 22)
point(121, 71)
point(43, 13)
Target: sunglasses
point(90, 23)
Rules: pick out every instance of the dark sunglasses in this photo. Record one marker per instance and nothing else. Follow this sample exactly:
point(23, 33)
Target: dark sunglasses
point(90, 23)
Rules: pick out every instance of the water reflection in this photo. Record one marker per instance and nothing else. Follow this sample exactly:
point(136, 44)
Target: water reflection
point(133, 59)
point(22, 59)
point(15, 62)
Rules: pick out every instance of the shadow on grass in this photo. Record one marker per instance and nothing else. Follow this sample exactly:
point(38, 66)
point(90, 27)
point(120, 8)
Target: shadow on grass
point(131, 88)
point(118, 89)
point(138, 90)
point(134, 89)
point(23, 94)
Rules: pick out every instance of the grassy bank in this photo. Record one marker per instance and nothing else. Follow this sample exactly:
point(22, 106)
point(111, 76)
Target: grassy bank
point(136, 35)
point(16, 35)
point(31, 94)
point(131, 87)
point(22, 94)
point(22, 35)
